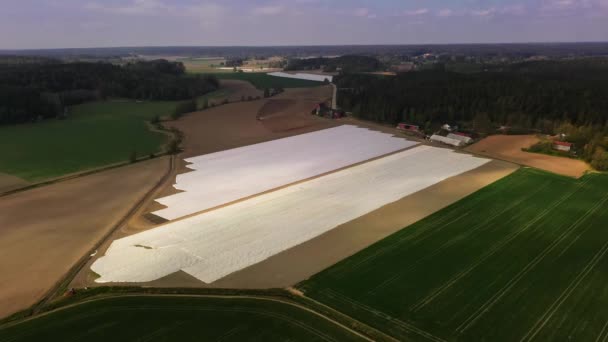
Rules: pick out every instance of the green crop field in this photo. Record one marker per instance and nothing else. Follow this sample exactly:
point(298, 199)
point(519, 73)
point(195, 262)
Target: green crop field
point(178, 319)
point(261, 80)
point(523, 259)
point(95, 134)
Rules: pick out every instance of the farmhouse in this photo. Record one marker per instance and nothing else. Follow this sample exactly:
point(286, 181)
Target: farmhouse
point(409, 128)
point(562, 146)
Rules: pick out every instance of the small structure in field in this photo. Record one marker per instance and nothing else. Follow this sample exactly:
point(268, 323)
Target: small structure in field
point(408, 127)
point(446, 140)
point(562, 146)
point(323, 110)
point(465, 138)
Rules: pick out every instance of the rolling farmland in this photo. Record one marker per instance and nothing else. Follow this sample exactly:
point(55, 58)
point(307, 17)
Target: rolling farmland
point(149, 318)
point(522, 259)
point(95, 134)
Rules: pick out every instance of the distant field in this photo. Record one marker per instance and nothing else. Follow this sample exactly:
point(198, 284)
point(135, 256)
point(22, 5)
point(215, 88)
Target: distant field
point(262, 80)
point(178, 319)
point(199, 66)
point(94, 135)
point(522, 259)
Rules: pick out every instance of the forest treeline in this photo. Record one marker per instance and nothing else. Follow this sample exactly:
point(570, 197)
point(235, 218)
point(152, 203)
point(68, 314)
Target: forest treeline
point(532, 96)
point(33, 91)
point(348, 63)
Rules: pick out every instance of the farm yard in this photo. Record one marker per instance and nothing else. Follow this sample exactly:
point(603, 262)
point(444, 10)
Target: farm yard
point(45, 231)
point(521, 259)
point(509, 148)
point(175, 318)
point(94, 135)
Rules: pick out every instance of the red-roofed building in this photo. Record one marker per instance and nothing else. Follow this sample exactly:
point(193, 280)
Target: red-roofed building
point(562, 146)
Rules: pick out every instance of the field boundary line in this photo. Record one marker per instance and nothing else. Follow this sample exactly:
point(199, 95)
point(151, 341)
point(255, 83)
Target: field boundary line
point(270, 298)
point(509, 285)
point(488, 254)
point(453, 241)
point(404, 325)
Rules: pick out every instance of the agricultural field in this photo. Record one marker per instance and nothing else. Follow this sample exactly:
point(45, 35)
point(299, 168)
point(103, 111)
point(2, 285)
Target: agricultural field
point(46, 230)
point(262, 80)
point(509, 148)
point(173, 318)
point(522, 259)
point(223, 177)
point(216, 243)
point(94, 135)
point(203, 65)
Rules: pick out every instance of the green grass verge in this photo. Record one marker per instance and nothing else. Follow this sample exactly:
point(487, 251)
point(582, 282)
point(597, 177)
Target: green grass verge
point(94, 135)
point(262, 80)
point(178, 319)
point(521, 259)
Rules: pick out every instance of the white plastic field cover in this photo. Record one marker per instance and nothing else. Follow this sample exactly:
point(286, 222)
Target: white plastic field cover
point(227, 176)
point(214, 244)
point(303, 76)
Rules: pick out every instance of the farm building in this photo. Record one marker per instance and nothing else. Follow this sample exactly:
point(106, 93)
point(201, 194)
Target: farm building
point(447, 140)
point(460, 136)
point(323, 110)
point(408, 127)
point(562, 146)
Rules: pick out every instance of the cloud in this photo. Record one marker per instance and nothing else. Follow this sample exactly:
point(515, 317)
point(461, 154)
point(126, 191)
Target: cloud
point(135, 7)
point(445, 12)
point(268, 10)
point(484, 12)
point(361, 12)
point(416, 12)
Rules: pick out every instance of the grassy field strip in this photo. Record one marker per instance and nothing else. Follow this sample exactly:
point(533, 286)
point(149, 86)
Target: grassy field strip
point(94, 135)
point(491, 252)
point(502, 292)
point(451, 242)
point(452, 215)
point(404, 325)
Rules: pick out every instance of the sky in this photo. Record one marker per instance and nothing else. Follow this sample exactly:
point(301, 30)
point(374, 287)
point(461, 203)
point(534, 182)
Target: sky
point(27, 24)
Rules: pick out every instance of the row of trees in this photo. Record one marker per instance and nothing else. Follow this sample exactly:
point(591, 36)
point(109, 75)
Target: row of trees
point(43, 90)
point(540, 96)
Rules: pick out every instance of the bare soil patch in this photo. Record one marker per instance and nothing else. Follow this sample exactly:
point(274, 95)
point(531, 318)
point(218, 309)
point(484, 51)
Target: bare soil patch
point(237, 89)
point(45, 231)
point(508, 147)
point(10, 182)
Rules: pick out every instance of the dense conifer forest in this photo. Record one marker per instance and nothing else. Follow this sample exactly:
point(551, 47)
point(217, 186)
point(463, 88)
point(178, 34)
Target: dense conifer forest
point(555, 97)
